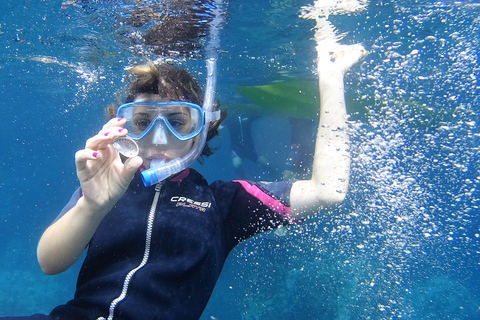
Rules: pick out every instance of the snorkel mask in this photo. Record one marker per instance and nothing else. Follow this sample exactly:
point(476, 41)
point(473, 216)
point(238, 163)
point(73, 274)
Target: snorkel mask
point(159, 120)
point(182, 120)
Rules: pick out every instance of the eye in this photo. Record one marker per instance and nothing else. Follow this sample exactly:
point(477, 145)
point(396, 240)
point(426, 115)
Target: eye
point(178, 122)
point(140, 122)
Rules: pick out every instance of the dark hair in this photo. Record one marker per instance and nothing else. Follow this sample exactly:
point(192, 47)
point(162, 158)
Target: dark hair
point(170, 84)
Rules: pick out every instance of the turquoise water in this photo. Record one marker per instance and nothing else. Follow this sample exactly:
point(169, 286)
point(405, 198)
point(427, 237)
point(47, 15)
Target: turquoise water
point(405, 244)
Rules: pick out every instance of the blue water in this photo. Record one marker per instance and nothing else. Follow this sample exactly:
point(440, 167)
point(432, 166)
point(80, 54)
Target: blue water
point(405, 244)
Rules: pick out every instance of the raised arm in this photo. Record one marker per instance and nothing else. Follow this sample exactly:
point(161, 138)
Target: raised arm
point(104, 179)
point(331, 165)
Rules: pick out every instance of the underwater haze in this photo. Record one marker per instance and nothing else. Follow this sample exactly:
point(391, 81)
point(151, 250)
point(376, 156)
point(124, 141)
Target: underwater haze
point(405, 244)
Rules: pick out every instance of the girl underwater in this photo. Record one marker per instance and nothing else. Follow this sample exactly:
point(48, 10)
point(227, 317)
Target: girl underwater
point(156, 252)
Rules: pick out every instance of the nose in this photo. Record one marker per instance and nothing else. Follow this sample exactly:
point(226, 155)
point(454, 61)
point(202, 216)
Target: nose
point(159, 134)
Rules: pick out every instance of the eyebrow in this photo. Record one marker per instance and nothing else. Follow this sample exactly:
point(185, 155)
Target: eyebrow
point(141, 113)
point(168, 114)
point(177, 113)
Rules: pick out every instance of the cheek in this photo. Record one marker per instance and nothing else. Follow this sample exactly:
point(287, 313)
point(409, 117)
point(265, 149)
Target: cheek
point(181, 147)
point(144, 146)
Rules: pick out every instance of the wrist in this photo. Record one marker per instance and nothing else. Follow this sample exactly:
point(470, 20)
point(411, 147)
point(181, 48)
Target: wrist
point(92, 210)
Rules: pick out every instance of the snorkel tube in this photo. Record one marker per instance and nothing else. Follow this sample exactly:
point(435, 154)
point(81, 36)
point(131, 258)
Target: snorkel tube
point(157, 173)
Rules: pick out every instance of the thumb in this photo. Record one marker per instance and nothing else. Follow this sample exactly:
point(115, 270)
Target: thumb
point(349, 55)
point(130, 167)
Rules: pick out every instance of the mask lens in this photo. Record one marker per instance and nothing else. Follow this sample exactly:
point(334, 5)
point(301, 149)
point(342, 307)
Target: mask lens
point(184, 120)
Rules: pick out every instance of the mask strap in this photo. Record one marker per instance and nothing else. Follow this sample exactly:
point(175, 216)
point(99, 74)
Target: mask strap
point(212, 116)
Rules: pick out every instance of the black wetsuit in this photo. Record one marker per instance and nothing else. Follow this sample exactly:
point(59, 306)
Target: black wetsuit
point(195, 227)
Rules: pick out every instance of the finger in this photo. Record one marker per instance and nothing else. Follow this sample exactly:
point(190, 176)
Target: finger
point(104, 138)
point(109, 132)
point(82, 156)
point(115, 122)
point(130, 167)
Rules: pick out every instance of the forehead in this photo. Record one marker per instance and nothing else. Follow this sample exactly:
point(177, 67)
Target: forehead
point(149, 97)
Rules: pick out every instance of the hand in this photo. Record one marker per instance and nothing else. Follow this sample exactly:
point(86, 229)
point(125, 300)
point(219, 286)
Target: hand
point(340, 57)
point(103, 177)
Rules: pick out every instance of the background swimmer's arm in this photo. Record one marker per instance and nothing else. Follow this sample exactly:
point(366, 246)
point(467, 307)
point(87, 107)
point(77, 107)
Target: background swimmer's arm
point(331, 165)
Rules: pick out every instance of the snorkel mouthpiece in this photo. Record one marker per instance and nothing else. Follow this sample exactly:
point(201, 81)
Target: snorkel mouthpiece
point(159, 170)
